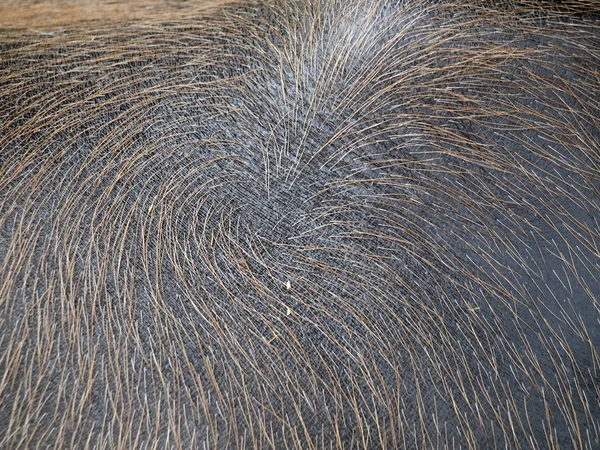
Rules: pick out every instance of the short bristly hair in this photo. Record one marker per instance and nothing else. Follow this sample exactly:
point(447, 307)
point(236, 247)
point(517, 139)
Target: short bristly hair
point(301, 224)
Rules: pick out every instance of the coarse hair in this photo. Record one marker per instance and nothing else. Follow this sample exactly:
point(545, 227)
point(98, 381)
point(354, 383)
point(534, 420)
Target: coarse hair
point(305, 224)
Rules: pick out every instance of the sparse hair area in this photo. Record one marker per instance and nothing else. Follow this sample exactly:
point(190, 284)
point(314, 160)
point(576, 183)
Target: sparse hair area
point(300, 224)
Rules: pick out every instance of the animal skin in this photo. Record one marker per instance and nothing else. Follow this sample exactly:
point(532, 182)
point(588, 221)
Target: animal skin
point(300, 224)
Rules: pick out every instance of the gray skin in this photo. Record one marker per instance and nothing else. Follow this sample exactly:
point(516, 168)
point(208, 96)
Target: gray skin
point(312, 225)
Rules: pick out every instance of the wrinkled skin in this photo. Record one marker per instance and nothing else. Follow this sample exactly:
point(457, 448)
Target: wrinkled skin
point(310, 225)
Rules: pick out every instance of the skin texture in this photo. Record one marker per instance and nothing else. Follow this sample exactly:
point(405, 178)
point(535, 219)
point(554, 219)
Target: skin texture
point(300, 224)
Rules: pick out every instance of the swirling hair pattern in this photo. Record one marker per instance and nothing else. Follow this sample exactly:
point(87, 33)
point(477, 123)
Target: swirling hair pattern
point(312, 224)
